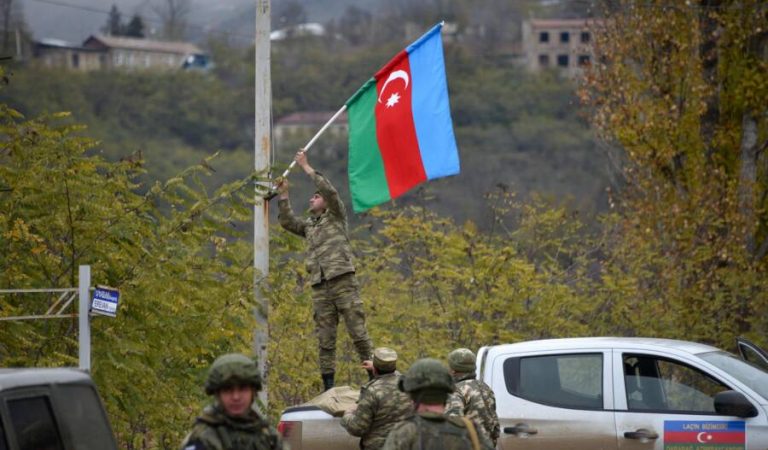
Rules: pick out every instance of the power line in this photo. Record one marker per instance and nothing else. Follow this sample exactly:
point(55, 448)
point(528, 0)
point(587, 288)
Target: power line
point(249, 38)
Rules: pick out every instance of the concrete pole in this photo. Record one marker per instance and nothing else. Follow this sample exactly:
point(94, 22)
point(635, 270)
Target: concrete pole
point(84, 318)
point(262, 148)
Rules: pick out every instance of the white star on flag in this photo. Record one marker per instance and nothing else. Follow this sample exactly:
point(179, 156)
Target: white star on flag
point(393, 99)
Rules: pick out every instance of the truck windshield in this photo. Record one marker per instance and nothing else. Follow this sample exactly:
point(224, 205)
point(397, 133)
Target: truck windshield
point(752, 376)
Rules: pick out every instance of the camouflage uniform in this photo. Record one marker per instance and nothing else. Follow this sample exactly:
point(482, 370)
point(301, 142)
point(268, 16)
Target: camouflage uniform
point(476, 401)
point(428, 382)
point(335, 291)
point(432, 431)
point(381, 404)
point(472, 398)
point(214, 429)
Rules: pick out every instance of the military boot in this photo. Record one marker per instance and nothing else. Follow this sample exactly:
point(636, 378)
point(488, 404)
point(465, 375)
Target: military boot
point(327, 380)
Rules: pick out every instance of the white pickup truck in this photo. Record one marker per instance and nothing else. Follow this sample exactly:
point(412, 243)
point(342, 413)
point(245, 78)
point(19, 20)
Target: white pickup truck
point(603, 393)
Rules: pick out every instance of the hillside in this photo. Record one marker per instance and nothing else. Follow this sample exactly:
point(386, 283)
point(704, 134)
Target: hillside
point(519, 131)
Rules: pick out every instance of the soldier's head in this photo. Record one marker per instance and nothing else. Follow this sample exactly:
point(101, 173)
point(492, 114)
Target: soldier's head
point(384, 360)
point(317, 203)
point(427, 382)
point(234, 380)
point(462, 361)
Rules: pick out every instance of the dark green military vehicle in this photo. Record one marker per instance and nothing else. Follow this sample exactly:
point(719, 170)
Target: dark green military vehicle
point(52, 409)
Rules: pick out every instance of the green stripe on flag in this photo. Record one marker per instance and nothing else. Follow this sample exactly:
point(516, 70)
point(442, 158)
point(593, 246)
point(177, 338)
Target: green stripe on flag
point(367, 180)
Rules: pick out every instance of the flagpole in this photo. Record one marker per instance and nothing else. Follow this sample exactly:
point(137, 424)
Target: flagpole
point(315, 137)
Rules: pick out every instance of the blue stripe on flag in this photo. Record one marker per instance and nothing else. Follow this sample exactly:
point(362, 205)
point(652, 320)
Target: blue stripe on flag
point(704, 425)
point(430, 106)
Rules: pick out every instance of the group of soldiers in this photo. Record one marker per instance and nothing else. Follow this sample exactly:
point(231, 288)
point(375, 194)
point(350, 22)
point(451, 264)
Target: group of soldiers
point(431, 406)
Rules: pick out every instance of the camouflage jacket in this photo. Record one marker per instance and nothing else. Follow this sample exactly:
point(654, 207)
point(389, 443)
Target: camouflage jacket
point(432, 431)
point(475, 400)
point(214, 430)
point(380, 407)
point(328, 251)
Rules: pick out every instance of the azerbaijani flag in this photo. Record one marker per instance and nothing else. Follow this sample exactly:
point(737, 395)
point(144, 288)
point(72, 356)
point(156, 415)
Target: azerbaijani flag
point(400, 128)
point(704, 435)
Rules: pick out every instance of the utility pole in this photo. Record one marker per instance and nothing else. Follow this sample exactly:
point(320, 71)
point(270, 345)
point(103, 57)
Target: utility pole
point(262, 148)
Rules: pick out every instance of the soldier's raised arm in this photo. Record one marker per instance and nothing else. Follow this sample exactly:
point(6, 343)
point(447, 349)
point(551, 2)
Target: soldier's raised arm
point(324, 187)
point(285, 216)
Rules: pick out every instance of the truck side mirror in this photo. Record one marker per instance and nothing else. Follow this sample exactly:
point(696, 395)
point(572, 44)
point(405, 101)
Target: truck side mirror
point(732, 403)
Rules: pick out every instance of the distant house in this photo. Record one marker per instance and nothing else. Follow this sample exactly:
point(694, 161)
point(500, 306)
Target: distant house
point(308, 123)
point(121, 53)
point(562, 43)
point(62, 54)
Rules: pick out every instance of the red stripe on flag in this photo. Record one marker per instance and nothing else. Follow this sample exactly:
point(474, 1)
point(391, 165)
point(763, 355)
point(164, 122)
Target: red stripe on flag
point(395, 130)
point(691, 437)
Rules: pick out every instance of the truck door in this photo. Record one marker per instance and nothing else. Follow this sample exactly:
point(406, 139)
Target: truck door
point(31, 421)
point(555, 400)
point(664, 402)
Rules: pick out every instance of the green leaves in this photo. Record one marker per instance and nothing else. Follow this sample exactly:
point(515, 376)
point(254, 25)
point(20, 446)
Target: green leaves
point(185, 278)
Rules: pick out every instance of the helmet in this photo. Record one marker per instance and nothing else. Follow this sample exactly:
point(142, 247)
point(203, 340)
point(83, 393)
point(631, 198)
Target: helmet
point(462, 360)
point(426, 374)
point(231, 369)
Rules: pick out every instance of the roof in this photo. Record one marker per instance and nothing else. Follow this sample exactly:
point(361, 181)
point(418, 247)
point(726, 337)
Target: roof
point(311, 118)
point(561, 23)
point(50, 42)
point(182, 48)
point(14, 378)
point(588, 343)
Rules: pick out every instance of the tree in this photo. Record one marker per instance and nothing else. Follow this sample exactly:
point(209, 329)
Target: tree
point(682, 88)
point(173, 15)
point(290, 14)
point(12, 23)
point(174, 252)
point(114, 25)
point(135, 27)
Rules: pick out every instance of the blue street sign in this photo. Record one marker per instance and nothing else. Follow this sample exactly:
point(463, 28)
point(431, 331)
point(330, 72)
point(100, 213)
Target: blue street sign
point(104, 301)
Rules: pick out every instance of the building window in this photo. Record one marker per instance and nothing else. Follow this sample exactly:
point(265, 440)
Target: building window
point(565, 37)
point(562, 60)
point(75, 60)
point(585, 37)
point(543, 60)
point(583, 60)
point(544, 36)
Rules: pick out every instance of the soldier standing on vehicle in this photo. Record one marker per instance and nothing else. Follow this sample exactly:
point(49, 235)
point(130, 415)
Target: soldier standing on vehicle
point(472, 398)
point(335, 291)
point(231, 423)
point(428, 383)
point(381, 404)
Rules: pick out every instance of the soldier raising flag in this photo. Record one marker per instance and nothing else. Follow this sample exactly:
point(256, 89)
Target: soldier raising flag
point(335, 291)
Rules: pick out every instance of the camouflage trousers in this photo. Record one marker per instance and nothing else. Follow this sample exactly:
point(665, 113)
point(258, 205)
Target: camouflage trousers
point(334, 298)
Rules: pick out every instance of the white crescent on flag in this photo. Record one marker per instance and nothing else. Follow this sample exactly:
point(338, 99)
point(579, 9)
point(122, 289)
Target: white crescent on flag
point(703, 437)
point(397, 74)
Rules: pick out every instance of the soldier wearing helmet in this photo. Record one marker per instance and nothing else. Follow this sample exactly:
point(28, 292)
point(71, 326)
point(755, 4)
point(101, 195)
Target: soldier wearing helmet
point(231, 422)
point(381, 404)
point(428, 383)
point(472, 398)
